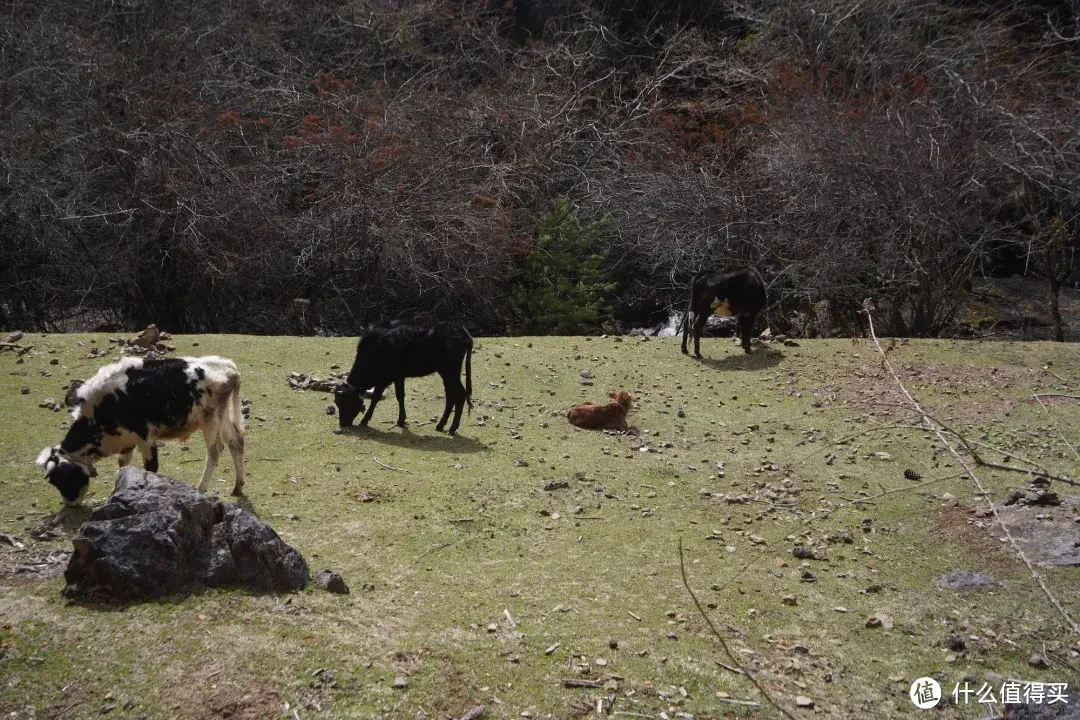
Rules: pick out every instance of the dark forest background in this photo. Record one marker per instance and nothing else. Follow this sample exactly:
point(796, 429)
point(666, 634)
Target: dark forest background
point(267, 166)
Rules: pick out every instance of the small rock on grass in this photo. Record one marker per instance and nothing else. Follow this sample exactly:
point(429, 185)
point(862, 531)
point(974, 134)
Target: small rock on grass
point(804, 702)
point(1038, 661)
point(966, 580)
point(331, 582)
point(879, 621)
point(400, 682)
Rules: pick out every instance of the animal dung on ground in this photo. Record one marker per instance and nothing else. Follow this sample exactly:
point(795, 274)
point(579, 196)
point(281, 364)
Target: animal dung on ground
point(610, 416)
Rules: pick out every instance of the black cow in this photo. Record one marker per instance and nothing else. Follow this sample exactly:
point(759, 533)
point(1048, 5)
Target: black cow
point(389, 353)
point(134, 403)
point(739, 291)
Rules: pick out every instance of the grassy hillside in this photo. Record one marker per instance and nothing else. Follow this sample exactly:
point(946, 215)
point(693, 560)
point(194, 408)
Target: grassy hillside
point(441, 552)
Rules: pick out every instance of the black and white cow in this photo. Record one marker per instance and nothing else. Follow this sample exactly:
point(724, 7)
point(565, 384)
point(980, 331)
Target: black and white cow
point(389, 353)
point(739, 291)
point(134, 403)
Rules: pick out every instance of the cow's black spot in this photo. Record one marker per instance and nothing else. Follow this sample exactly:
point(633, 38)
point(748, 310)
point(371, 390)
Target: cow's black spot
point(158, 393)
point(83, 433)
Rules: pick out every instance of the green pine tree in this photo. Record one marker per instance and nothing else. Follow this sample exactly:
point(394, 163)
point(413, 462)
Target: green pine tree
point(560, 287)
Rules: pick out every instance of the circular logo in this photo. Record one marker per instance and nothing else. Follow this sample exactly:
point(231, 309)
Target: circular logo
point(925, 693)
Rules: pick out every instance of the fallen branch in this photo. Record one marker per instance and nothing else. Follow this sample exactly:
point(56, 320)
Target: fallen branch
point(938, 429)
point(909, 487)
point(723, 643)
point(1061, 434)
point(390, 467)
point(1042, 395)
point(578, 683)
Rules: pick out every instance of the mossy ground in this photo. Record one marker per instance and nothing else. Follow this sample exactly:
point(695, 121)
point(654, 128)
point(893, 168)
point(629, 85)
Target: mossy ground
point(441, 550)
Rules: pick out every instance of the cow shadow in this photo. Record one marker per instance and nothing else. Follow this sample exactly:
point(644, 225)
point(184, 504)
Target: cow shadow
point(759, 359)
point(66, 519)
point(406, 438)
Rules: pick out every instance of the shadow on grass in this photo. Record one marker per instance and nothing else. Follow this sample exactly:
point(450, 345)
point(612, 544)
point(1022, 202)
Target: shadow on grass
point(406, 438)
point(100, 601)
point(66, 519)
point(757, 360)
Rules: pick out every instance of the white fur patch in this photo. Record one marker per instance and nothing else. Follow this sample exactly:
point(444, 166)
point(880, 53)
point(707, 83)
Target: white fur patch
point(109, 379)
point(44, 455)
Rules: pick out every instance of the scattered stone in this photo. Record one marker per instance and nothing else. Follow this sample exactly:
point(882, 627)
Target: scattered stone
point(804, 702)
point(556, 485)
point(148, 338)
point(25, 390)
point(15, 337)
point(789, 600)
point(331, 582)
point(303, 381)
point(157, 536)
point(883, 456)
point(791, 343)
point(54, 361)
point(955, 642)
point(1038, 661)
point(400, 682)
point(967, 580)
point(331, 409)
point(879, 621)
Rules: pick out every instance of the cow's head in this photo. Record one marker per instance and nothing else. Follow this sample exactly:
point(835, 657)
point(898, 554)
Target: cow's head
point(70, 477)
point(349, 401)
point(624, 399)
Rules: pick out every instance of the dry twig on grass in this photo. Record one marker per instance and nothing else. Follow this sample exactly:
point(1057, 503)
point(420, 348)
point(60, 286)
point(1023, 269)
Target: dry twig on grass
point(390, 467)
point(723, 642)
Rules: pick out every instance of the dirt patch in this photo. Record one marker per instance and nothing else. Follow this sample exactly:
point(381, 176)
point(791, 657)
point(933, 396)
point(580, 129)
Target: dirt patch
point(33, 564)
point(1046, 534)
point(873, 388)
point(241, 704)
point(955, 527)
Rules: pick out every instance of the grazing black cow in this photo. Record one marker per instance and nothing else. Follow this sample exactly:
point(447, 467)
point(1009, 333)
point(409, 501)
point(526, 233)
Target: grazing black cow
point(133, 403)
point(389, 353)
point(739, 292)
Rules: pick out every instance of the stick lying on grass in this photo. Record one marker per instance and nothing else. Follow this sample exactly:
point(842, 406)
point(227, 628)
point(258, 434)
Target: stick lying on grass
point(723, 643)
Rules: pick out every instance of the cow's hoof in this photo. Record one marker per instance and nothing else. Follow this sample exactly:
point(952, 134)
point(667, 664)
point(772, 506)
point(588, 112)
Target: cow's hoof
point(698, 356)
point(452, 431)
point(685, 351)
point(238, 491)
point(401, 423)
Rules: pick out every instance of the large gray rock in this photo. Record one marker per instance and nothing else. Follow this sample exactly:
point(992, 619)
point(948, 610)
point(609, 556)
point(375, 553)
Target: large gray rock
point(157, 536)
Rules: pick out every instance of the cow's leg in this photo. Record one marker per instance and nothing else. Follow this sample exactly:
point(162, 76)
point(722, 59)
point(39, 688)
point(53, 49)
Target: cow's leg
point(376, 396)
point(233, 435)
point(459, 399)
point(124, 458)
point(448, 392)
point(148, 450)
point(399, 390)
point(690, 317)
point(699, 325)
point(746, 325)
point(212, 435)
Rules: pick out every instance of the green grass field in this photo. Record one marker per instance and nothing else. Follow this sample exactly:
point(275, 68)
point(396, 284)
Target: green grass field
point(441, 552)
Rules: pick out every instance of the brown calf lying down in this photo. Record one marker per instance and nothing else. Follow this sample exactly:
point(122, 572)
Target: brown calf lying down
point(611, 416)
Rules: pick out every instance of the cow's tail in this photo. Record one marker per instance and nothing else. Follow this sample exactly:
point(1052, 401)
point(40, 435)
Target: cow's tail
point(468, 376)
point(684, 324)
point(236, 413)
